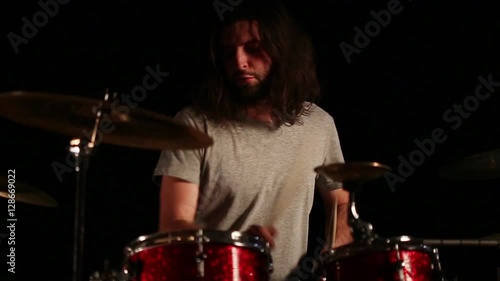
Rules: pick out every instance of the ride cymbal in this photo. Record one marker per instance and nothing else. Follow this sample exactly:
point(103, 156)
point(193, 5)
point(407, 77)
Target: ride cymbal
point(23, 192)
point(353, 171)
point(119, 124)
point(480, 166)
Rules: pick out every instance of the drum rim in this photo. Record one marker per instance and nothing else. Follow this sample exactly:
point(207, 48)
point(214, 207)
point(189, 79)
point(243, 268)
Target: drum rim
point(404, 242)
point(236, 238)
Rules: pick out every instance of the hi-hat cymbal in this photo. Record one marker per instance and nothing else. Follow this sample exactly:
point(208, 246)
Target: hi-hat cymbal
point(120, 124)
point(480, 166)
point(23, 192)
point(354, 171)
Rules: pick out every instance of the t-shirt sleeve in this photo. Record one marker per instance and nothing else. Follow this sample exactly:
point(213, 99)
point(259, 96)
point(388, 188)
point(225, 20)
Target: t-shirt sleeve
point(333, 154)
point(183, 164)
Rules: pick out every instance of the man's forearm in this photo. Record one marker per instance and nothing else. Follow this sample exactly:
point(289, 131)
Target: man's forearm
point(341, 222)
point(343, 215)
point(176, 225)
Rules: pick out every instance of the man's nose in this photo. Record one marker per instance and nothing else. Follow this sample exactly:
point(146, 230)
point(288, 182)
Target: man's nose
point(241, 60)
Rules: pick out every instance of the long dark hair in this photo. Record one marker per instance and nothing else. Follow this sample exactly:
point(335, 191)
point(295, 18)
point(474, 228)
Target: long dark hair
point(292, 79)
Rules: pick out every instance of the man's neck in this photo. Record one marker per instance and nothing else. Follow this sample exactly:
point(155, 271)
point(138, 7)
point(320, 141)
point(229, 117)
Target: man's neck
point(260, 112)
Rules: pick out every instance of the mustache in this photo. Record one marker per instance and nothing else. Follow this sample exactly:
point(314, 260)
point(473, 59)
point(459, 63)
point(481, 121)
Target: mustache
point(243, 73)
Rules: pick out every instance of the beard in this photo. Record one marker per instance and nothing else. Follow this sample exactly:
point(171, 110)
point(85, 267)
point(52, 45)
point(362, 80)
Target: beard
point(249, 94)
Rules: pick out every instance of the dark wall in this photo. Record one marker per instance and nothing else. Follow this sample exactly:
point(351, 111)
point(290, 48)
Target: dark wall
point(392, 92)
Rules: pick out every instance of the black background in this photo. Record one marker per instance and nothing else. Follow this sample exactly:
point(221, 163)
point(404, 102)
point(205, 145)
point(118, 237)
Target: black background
point(393, 92)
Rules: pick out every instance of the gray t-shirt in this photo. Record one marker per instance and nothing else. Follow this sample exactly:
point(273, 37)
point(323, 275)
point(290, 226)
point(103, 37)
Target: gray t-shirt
point(256, 174)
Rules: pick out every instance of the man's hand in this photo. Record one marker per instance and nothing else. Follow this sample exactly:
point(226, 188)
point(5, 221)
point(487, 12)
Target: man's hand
point(343, 236)
point(266, 232)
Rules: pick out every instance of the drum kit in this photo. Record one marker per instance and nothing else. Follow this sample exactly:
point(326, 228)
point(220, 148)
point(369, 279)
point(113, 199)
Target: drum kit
point(205, 254)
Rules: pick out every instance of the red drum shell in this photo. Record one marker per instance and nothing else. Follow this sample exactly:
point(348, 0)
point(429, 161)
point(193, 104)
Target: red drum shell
point(383, 261)
point(198, 255)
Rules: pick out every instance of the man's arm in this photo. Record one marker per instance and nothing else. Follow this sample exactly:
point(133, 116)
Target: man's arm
point(178, 203)
point(343, 233)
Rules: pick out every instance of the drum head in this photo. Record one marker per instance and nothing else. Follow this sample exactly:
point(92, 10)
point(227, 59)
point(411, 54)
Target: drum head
point(197, 236)
point(381, 244)
point(396, 258)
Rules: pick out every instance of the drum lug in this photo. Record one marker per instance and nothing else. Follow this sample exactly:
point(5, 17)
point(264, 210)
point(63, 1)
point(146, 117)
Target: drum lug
point(438, 272)
point(128, 272)
point(200, 257)
point(265, 250)
point(270, 266)
point(130, 269)
point(270, 262)
point(400, 265)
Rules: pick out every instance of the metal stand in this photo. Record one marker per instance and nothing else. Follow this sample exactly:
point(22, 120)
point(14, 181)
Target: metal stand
point(81, 151)
point(108, 274)
point(361, 231)
point(485, 242)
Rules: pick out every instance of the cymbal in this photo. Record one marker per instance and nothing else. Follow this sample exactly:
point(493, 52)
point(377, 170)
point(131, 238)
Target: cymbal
point(492, 236)
point(120, 124)
point(26, 193)
point(353, 171)
point(480, 166)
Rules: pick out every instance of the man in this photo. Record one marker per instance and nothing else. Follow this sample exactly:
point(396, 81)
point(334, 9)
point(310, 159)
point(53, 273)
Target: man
point(256, 103)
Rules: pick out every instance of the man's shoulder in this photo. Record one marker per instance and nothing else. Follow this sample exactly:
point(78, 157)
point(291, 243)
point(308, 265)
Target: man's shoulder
point(189, 112)
point(314, 111)
point(315, 107)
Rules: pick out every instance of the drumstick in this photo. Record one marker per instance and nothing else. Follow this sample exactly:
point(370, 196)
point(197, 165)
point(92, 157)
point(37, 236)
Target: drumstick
point(332, 225)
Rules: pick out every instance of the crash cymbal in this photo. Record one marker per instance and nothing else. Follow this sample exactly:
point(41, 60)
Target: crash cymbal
point(120, 124)
point(480, 166)
point(353, 171)
point(26, 193)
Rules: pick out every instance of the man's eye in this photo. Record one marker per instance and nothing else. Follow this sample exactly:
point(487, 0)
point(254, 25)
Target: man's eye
point(253, 48)
point(253, 45)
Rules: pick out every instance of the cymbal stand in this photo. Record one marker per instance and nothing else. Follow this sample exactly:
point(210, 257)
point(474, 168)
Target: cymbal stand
point(361, 231)
point(81, 149)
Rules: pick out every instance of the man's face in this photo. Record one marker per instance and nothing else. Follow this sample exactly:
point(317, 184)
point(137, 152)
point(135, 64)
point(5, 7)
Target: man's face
point(247, 65)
